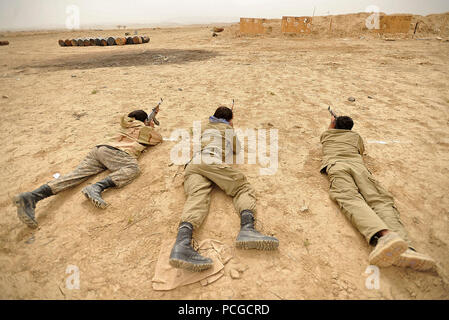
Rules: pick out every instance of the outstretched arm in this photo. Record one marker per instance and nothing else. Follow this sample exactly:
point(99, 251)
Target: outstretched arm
point(333, 123)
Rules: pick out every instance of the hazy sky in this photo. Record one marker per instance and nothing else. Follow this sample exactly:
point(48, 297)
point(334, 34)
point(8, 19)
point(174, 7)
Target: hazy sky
point(29, 14)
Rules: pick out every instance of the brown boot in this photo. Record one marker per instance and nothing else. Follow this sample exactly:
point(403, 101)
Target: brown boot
point(415, 260)
point(388, 249)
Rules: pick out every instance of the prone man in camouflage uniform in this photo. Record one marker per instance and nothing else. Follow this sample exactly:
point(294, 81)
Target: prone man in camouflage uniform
point(119, 155)
point(364, 201)
point(206, 169)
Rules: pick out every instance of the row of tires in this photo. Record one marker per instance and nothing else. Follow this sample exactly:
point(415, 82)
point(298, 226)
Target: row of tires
point(110, 41)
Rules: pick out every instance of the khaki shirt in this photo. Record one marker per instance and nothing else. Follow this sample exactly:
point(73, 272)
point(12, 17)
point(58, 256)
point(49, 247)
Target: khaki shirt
point(218, 138)
point(341, 145)
point(133, 137)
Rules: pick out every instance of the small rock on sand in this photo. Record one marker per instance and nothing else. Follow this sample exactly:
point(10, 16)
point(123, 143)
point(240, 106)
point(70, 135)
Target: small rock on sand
point(234, 274)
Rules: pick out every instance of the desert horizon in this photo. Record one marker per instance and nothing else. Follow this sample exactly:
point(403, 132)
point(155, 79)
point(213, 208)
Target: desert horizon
point(183, 22)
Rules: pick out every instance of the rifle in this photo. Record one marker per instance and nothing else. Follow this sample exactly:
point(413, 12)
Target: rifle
point(332, 112)
point(232, 108)
point(153, 113)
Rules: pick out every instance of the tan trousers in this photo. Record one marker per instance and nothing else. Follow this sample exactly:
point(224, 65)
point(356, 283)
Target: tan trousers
point(198, 183)
point(363, 200)
point(123, 166)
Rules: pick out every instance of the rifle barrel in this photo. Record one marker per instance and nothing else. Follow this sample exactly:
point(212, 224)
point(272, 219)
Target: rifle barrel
point(331, 112)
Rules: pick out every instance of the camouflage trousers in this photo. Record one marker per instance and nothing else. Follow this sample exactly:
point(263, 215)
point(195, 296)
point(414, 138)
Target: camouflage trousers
point(368, 206)
point(198, 184)
point(123, 167)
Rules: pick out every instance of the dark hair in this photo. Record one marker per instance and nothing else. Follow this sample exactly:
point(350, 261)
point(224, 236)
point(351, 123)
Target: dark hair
point(344, 122)
point(138, 115)
point(223, 113)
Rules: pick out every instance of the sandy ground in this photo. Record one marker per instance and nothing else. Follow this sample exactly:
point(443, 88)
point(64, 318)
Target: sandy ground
point(59, 102)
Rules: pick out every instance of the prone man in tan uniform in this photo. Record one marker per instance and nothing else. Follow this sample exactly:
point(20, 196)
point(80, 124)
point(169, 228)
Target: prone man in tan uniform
point(364, 201)
point(205, 169)
point(119, 155)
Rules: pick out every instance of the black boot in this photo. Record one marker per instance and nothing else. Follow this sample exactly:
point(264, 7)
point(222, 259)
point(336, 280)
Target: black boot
point(183, 255)
point(93, 192)
point(26, 203)
point(249, 238)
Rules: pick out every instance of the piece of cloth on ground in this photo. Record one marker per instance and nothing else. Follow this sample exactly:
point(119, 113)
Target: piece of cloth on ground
point(167, 277)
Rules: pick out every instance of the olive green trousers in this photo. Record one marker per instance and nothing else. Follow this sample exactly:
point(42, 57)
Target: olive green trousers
point(198, 183)
point(368, 206)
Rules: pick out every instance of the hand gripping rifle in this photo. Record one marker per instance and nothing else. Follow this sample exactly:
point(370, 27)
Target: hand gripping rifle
point(153, 113)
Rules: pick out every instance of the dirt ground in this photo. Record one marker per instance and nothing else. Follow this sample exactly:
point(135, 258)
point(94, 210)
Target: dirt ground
point(58, 102)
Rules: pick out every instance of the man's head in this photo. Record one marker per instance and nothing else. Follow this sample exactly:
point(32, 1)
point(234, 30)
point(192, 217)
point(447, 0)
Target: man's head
point(138, 115)
point(344, 122)
point(223, 113)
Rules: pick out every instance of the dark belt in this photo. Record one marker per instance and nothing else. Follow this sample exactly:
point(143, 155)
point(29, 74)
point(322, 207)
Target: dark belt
point(109, 147)
point(105, 145)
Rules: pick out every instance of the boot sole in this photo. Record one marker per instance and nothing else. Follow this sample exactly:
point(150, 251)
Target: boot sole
point(21, 214)
point(386, 256)
point(180, 264)
point(266, 245)
point(415, 263)
point(95, 202)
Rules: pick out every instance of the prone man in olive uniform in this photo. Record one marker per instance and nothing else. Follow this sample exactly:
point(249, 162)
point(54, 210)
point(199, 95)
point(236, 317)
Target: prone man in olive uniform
point(119, 155)
point(206, 169)
point(364, 201)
